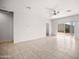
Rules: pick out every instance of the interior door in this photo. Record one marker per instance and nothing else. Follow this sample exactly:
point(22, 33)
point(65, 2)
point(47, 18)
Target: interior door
point(6, 26)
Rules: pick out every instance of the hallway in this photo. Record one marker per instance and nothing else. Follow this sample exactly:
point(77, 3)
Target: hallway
point(43, 48)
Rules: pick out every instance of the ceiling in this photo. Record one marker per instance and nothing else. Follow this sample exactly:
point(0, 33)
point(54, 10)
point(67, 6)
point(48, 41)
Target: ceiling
point(41, 6)
point(60, 5)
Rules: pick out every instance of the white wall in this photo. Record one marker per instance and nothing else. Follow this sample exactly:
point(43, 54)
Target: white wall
point(28, 24)
point(64, 20)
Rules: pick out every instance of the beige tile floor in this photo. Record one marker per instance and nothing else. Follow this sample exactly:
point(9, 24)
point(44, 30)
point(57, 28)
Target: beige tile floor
point(57, 47)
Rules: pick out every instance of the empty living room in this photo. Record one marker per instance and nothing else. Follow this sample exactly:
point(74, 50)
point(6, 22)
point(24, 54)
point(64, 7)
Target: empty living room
point(39, 29)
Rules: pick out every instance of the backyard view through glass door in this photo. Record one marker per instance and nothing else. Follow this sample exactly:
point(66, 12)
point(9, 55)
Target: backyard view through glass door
point(66, 30)
point(65, 36)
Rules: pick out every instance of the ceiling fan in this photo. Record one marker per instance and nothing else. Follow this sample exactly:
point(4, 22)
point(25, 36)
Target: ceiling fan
point(53, 12)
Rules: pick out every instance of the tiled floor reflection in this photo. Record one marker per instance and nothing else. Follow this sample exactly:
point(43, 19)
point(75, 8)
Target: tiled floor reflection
point(66, 41)
point(62, 46)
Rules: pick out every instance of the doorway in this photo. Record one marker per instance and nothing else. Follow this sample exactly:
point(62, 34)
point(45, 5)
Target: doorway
point(6, 26)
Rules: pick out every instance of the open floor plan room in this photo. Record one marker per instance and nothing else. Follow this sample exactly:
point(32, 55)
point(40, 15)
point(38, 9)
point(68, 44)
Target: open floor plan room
point(39, 29)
